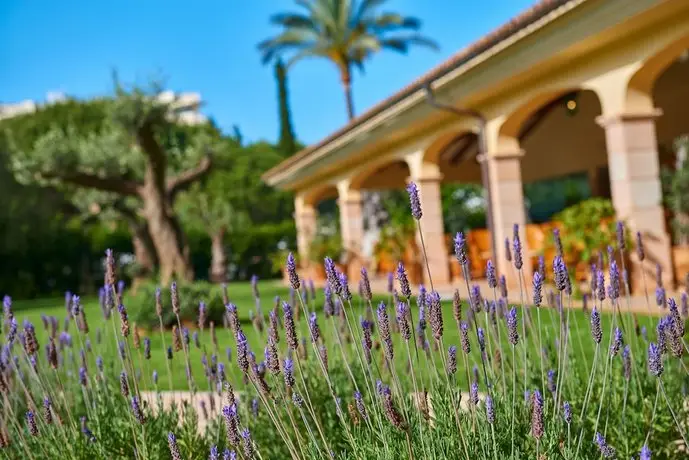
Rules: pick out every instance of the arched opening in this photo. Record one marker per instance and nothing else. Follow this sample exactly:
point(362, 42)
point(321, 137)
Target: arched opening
point(565, 159)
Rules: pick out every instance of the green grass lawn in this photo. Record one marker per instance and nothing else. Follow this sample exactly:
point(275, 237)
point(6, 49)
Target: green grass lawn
point(241, 295)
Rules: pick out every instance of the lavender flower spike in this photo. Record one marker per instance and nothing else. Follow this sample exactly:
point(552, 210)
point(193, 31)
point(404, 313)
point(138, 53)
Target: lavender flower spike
point(402, 320)
point(490, 275)
point(292, 271)
point(490, 410)
point(567, 412)
point(512, 326)
point(414, 200)
point(645, 453)
point(605, 449)
point(435, 313)
point(452, 360)
point(461, 250)
point(517, 245)
point(174, 448)
point(403, 280)
point(655, 360)
point(537, 415)
point(596, 331)
point(537, 289)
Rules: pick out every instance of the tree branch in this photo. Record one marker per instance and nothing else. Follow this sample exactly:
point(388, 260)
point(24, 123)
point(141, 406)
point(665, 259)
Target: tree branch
point(107, 184)
point(185, 179)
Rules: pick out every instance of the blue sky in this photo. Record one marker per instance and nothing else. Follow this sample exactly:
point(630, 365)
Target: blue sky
point(73, 46)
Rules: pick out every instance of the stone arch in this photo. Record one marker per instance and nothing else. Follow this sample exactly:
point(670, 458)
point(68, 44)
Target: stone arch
point(640, 88)
point(312, 197)
point(383, 174)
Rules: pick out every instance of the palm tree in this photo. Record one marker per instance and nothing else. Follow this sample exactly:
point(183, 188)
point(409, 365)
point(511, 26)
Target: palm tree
point(346, 32)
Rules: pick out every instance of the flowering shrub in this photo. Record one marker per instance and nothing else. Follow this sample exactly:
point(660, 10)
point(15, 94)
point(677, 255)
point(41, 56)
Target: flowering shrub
point(334, 375)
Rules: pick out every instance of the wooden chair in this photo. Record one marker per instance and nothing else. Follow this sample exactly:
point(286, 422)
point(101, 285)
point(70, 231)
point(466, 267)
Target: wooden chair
point(479, 251)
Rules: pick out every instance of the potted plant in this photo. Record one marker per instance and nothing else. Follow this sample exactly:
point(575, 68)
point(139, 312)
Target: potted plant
point(676, 185)
point(398, 244)
point(585, 230)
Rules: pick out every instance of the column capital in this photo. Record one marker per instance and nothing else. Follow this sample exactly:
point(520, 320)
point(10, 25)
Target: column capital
point(497, 156)
point(606, 120)
point(433, 176)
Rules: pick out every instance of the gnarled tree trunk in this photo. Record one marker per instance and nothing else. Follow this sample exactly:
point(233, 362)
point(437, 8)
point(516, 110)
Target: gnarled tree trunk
point(169, 241)
point(218, 268)
point(142, 244)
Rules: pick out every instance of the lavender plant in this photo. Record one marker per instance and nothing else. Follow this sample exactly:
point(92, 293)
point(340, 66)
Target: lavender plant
point(358, 391)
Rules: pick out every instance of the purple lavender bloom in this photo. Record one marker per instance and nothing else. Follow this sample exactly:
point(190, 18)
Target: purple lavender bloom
point(684, 302)
point(155, 377)
point(47, 412)
point(365, 285)
point(214, 455)
point(76, 305)
point(490, 410)
point(313, 327)
point(567, 412)
point(517, 245)
point(481, 339)
point(414, 201)
point(229, 455)
point(473, 393)
point(12, 332)
point(655, 360)
point(621, 240)
point(490, 274)
point(344, 284)
point(538, 289)
point(169, 352)
point(464, 330)
point(291, 272)
point(359, 401)
point(614, 289)
point(644, 333)
point(596, 331)
point(660, 296)
point(512, 326)
point(136, 410)
point(328, 305)
point(537, 415)
point(288, 371)
point(645, 453)
point(461, 251)
point(83, 376)
point(99, 363)
point(402, 321)
point(552, 386)
point(606, 450)
point(31, 421)
point(435, 313)
point(560, 273)
point(475, 298)
point(391, 279)
point(617, 342)
point(174, 448)
point(403, 280)
point(242, 351)
point(331, 275)
point(384, 326)
point(600, 285)
point(290, 328)
point(247, 443)
point(508, 250)
point(452, 360)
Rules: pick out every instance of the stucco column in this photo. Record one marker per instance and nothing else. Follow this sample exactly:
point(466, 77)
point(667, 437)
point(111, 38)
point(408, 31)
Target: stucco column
point(432, 227)
point(305, 217)
point(636, 189)
point(508, 209)
point(352, 231)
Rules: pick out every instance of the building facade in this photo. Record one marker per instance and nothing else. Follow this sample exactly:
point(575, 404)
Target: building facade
point(598, 87)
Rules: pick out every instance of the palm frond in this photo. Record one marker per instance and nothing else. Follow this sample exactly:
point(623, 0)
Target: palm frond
point(393, 21)
point(289, 20)
point(401, 43)
point(366, 9)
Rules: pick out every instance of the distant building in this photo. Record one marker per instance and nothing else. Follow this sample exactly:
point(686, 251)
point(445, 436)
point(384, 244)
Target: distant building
point(185, 105)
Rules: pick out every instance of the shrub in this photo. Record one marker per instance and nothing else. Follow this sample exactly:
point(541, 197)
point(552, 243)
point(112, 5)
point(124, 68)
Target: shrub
point(142, 304)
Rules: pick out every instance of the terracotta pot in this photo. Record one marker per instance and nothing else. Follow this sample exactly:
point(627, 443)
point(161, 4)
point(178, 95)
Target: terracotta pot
point(680, 262)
